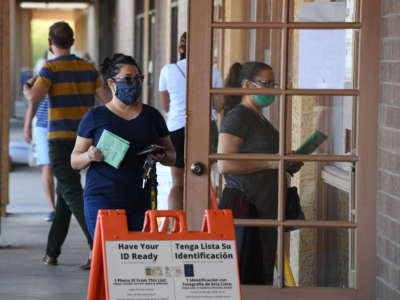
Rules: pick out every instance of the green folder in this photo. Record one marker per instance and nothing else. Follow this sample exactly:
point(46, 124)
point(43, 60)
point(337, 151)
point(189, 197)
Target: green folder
point(309, 146)
point(312, 143)
point(112, 147)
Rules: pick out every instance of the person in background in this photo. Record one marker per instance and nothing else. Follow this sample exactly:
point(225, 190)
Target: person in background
point(251, 188)
point(41, 143)
point(108, 187)
point(86, 56)
point(71, 84)
point(172, 87)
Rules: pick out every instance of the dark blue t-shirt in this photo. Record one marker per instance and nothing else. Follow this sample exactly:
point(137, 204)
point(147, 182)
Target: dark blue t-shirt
point(122, 186)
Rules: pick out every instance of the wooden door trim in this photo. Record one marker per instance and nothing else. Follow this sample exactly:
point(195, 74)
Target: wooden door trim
point(300, 25)
point(315, 157)
point(294, 92)
point(273, 293)
point(367, 80)
point(366, 168)
point(198, 114)
point(4, 103)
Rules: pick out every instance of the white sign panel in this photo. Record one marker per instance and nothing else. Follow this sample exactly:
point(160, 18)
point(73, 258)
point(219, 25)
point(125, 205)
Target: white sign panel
point(164, 270)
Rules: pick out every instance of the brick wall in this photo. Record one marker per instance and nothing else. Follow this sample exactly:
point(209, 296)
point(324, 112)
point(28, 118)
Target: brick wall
point(388, 201)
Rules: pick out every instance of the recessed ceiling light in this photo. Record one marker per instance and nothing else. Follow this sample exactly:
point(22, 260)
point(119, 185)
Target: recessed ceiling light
point(53, 5)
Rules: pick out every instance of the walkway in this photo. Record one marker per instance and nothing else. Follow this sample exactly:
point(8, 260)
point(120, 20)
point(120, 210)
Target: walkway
point(23, 239)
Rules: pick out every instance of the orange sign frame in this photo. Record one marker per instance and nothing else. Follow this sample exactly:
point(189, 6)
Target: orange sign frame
point(112, 226)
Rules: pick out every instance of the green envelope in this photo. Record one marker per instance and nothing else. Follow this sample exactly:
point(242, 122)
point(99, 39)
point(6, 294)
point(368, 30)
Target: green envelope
point(112, 147)
point(312, 143)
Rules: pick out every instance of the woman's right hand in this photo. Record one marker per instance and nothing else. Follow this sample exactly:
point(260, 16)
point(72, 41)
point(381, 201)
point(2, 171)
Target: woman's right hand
point(94, 154)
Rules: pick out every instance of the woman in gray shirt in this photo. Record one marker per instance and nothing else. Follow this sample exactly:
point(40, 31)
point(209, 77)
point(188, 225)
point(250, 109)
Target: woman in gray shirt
point(251, 188)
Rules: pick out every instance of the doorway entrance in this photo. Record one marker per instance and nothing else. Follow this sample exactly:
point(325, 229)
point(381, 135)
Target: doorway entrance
point(325, 74)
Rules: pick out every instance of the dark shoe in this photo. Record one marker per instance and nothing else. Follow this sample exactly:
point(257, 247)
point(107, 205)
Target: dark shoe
point(49, 260)
point(50, 216)
point(86, 265)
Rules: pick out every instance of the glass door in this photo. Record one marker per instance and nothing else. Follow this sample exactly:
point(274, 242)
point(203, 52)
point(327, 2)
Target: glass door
point(323, 76)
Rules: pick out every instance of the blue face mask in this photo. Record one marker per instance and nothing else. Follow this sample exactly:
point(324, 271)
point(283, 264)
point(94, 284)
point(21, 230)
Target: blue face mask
point(128, 92)
point(264, 100)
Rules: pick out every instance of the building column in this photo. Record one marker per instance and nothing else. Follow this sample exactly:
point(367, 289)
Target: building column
point(125, 20)
point(93, 33)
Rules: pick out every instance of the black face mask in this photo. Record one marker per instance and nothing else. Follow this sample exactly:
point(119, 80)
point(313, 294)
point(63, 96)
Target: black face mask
point(183, 53)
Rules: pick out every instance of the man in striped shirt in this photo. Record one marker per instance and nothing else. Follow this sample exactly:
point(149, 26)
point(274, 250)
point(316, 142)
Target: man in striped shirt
point(72, 84)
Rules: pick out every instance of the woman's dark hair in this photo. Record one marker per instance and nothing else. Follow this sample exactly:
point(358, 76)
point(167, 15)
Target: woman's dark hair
point(61, 35)
point(237, 73)
point(111, 66)
point(182, 45)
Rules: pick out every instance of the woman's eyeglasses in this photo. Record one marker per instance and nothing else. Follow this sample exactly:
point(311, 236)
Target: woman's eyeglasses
point(269, 84)
point(128, 79)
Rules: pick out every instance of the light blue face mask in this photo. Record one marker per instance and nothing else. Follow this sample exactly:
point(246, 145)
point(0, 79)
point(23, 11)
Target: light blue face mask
point(264, 100)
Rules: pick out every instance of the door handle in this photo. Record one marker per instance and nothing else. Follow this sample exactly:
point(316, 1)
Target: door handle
point(197, 168)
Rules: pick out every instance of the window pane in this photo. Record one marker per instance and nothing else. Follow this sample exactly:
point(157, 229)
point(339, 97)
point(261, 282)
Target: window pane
point(257, 132)
point(242, 45)
point(256, 245)
point(250, 194)
point(325, 191)
point(320, 257)
point(323, 11)
point(139, 38)
point(174, 34)
point(322, 59)
point(262, 11)
point(317, 257)
point(139, 7)
point(329, 120)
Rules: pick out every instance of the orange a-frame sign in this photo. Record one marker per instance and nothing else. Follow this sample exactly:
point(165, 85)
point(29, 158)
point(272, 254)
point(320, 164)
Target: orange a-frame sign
point(157, 264)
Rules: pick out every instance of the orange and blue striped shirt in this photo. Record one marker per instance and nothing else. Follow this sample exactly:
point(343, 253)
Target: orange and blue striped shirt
point(72, 83)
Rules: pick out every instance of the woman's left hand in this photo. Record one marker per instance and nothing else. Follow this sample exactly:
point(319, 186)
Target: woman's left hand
point(158, 156)
point(294, 166)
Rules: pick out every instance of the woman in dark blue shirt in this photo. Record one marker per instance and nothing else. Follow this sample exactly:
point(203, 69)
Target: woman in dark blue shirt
point(108, 187)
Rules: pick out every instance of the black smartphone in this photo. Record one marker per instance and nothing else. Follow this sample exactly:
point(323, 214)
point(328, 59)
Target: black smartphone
point(153, 149)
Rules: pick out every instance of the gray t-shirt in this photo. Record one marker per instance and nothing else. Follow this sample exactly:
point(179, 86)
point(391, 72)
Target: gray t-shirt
point(259, 136)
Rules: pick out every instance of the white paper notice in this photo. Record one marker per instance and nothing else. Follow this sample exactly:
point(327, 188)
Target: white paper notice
point(161, 270)
point(322, 59)
point(321, 12)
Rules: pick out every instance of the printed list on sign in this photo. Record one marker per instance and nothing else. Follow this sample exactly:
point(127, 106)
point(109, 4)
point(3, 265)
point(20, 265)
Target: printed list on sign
point(161, 270)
